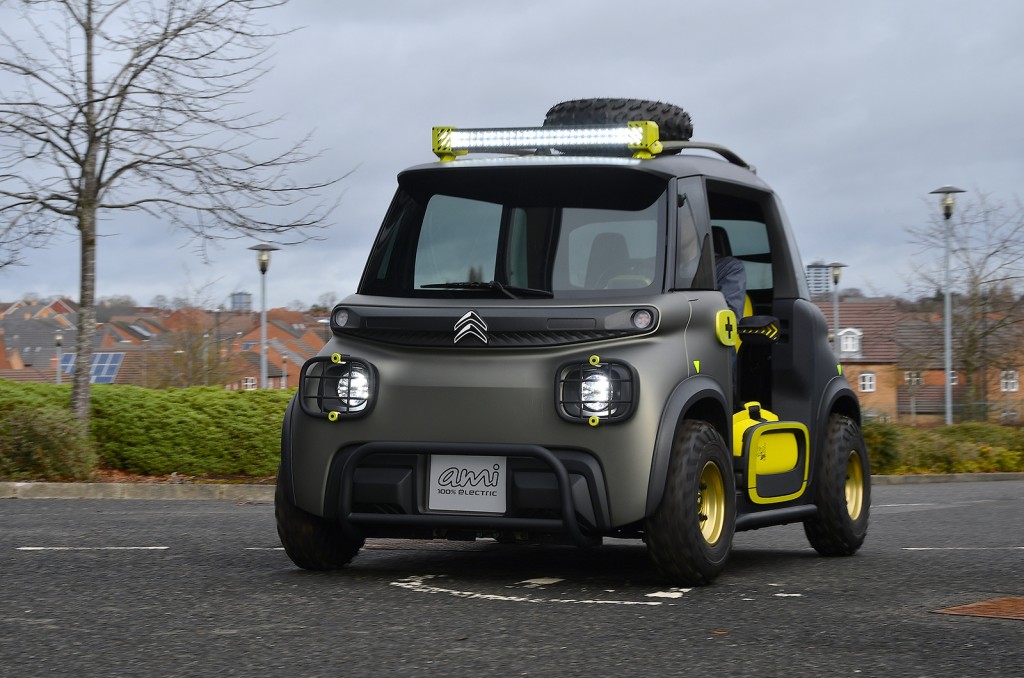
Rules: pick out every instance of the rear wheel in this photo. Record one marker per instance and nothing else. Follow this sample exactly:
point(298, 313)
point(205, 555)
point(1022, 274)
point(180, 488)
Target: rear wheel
point(842, 491)
point(310, 541)
point(690, 535)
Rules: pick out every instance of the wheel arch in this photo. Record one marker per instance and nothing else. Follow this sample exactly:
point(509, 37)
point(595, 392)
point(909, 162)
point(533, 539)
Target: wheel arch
point(284, 473)
point(697, 397)
point(837, 398)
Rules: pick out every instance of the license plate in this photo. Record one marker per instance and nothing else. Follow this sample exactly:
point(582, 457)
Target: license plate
point(470, 484)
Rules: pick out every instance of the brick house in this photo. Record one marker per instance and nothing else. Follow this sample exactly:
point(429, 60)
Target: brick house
point(869, 353)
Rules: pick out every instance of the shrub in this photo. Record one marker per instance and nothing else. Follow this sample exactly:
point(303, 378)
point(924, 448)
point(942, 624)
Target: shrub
point(195, 431)
point(883, 443)
point(43, 442)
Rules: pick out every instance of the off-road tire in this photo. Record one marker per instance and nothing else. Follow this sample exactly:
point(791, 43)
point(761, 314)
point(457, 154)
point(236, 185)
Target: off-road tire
point(310, 541)
point(842, 491)
point(674, 124)
point(677, 544)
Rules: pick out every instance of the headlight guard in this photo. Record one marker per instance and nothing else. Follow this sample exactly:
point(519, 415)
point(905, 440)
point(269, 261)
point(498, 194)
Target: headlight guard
point(337, 387)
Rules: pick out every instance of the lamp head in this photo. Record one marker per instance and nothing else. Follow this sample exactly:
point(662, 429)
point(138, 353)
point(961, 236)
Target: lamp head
point(837, 270)
point(263, 251)
point(948, 199)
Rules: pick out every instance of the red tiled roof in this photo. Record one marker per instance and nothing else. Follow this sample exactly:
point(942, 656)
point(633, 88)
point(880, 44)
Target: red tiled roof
point(878, 319)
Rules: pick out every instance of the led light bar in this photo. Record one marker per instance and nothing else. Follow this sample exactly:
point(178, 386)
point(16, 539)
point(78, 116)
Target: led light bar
point(640, 137)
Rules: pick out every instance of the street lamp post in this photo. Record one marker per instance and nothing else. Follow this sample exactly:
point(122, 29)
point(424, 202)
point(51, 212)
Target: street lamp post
point(263, 251)
point(948, 202)
point(837, 270)
point(58, 340)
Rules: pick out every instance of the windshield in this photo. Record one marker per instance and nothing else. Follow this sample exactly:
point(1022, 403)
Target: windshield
point(505, 233)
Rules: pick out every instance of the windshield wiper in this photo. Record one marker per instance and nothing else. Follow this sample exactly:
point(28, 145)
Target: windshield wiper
point(511, 291)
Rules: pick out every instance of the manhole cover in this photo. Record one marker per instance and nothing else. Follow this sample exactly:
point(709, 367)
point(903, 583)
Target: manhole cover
point(1000, 608)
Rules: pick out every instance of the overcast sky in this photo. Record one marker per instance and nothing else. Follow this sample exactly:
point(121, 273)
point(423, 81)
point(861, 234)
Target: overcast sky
point(851, 111)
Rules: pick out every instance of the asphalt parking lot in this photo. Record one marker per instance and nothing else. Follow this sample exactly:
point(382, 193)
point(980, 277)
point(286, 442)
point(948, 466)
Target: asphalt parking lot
point(187, 587)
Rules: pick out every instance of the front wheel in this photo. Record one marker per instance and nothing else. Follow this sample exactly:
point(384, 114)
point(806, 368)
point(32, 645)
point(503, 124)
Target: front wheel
point(842, 491)
point(310, 541)
point(689, 536)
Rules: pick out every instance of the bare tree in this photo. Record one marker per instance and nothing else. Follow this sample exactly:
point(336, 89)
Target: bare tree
point(136, 105)
point(987, 269)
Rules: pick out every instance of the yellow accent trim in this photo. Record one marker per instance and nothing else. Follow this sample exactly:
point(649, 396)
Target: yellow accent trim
point(442, 144)
point(725, 327)
point(595, 360)
point(696, 366)
point(771, 449)
point(742, 420)
point(332, 416)
point(336, 358)
point(649, 145)
point(839, 369)
point(594, 420)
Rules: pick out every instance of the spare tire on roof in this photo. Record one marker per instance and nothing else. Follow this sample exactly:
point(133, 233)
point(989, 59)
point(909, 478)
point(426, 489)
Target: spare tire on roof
point(674, 123)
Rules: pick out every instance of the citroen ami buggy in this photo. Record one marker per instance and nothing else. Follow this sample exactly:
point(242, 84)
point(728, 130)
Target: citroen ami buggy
point(540, 350)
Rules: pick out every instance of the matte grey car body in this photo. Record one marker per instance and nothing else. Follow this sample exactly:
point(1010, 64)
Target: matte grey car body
point(491, 363)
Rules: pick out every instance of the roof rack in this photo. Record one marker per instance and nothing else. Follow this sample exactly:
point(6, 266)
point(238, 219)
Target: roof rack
point(638, 136)
point(705, 146)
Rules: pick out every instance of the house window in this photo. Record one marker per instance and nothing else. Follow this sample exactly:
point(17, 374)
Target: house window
point(1008, 381)
point(1008, 416)
point(867, 382)
point(912, 378)
point(249, 383)
point(953, 378)
point(850, 342)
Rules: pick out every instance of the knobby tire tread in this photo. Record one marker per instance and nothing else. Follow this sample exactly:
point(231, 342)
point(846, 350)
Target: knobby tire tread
point(832, 532)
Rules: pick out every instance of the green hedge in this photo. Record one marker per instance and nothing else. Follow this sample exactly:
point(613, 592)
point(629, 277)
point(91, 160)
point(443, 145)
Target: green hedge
point(194, 431)
point(210, 432)
point(962, 448)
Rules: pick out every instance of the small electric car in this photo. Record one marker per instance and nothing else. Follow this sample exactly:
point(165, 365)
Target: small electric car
point(540, 350)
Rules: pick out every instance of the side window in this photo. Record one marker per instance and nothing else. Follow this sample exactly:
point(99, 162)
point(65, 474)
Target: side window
point(457, 242)
point(749, 243)
point(739, 219)
point(688, 245)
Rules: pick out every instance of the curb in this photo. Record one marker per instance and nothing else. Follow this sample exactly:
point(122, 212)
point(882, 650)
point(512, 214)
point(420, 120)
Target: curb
point(944, 478)
point(242, 492)
point(239, 492)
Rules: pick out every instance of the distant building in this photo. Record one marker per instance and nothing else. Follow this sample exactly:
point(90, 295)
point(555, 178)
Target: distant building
point(819, 279)
point(241, 302)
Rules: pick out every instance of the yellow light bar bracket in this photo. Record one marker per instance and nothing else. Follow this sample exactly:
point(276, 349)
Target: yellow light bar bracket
point(649, 145)
point(640, 137)
point(443, 144)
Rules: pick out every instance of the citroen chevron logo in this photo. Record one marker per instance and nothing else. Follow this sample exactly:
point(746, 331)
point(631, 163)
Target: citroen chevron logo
point(471, 325)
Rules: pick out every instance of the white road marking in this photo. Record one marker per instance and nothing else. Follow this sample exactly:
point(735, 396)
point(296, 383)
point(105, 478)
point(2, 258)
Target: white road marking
point(671, 593)
point(417, 584)
point(264, 548)
point(897, 505)
point(963, 548)
point(92, 548)
point(789, 595)
point(541, 581)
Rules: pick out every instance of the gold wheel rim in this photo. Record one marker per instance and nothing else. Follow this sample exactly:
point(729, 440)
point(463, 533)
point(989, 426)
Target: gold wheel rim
point(854, 485)
point(711, 503)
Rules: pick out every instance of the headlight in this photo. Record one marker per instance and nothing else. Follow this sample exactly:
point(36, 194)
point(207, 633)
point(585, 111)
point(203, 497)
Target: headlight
point(593, 391)
point(352, 386)
point(596, 393)
point(337, 386)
